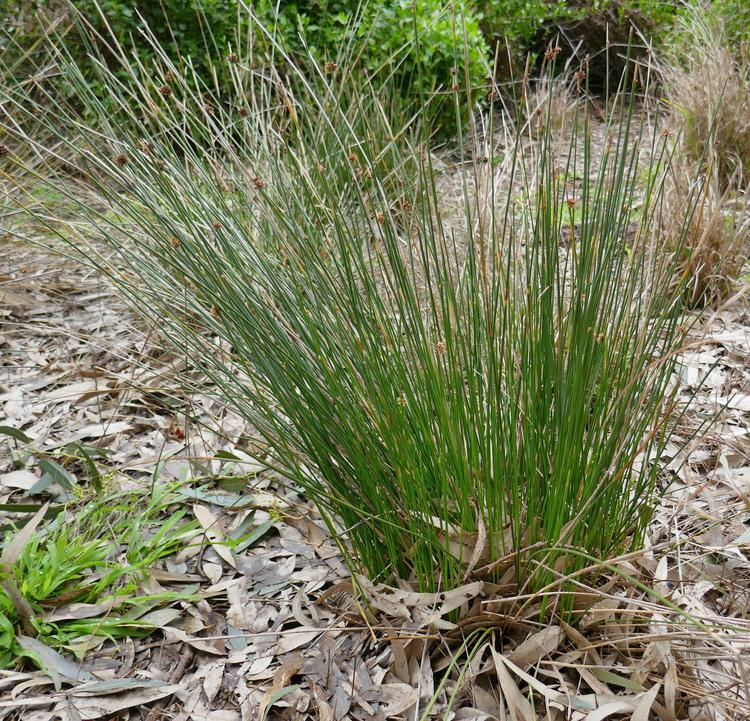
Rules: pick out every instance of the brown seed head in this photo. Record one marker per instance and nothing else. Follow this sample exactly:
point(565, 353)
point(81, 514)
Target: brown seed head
point(174, 241)
point(121, 159)
point(244, 112)
point(4, 149)
point(571, 203)
point(214, 311)
point(232, 58)
point(165, 90)
point(552, 53)
point(259, 183)
point(440, 347)
point(216, 225)
point(380, 218)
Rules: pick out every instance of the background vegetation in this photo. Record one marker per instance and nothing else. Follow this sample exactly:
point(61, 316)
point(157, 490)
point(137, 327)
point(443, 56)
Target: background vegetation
point(201, 32)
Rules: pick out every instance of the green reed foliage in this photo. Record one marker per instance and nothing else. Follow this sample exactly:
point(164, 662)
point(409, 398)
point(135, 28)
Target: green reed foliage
point(462, 394)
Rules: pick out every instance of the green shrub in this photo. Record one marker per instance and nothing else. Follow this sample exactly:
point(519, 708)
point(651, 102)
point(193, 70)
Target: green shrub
point(199, 29)
point(428, 46)
point(599, 29)
point(198, 36)
point(461, 396)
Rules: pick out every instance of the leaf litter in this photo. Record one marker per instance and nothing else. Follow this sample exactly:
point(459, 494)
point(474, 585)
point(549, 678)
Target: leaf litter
point(274, 626)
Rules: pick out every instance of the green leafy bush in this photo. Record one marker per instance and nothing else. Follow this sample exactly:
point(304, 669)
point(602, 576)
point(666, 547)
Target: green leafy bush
point(599, 29)
point(198, 36)
point(429, 47)
point(462, 395)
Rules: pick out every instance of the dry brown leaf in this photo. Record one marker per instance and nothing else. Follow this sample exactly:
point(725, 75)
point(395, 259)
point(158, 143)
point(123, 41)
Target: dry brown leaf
point(479, 545)
point(610, 709)
point(23, 480)
point(645, 702)
point(281, 679)
point(295, 638)
point(13, 550)
point(212, 680)
point(540, 644)
point(324, 709)
point(670, 690)
point(173, 634)
point(95, 707)
point(397, 697)
point(78, 611)
point(400, 666)
point(518, 705)
point(214, 535)
point(598, 613)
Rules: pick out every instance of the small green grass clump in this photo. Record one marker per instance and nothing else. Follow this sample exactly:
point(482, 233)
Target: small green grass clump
point(98, 554)
point(462, 396)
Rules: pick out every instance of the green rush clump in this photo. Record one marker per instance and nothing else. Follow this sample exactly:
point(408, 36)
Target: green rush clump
point(478, 388)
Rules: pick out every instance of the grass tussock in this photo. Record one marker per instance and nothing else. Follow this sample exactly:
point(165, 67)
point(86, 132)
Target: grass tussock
point(461, 400)
point(550, 104)
point(707, 86)
point(711, 226)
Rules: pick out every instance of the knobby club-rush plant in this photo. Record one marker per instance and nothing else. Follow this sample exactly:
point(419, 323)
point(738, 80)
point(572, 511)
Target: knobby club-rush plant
point(461, 394)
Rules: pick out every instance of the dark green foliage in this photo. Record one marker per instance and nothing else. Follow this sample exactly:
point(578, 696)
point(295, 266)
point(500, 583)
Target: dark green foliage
point(597, 29)
point(419, 41)
point(429, 47)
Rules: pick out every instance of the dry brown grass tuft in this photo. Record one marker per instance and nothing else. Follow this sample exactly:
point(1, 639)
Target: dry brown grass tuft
point(549, 102)
point(707, 86)
point(715, 243)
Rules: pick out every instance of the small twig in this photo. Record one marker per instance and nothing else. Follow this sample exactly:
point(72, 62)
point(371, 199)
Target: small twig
point(176, 676)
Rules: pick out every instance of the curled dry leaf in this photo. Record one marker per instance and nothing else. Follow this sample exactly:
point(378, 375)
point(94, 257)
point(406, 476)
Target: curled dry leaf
point(280, 686)
point(536, 646)
point(107, 705)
